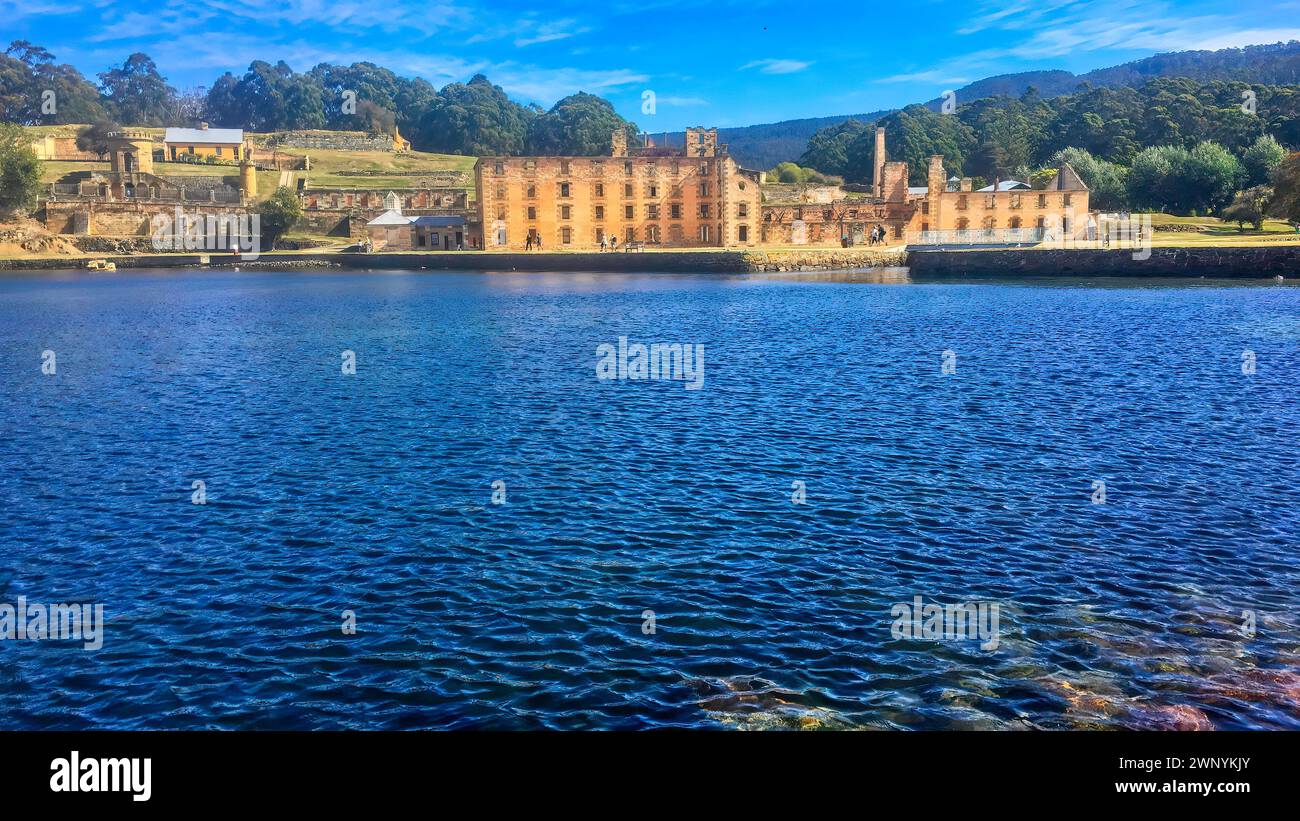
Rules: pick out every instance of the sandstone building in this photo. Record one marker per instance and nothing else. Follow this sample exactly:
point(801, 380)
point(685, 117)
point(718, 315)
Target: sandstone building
point(944, 211)
point(221, 143)
point(680, 197)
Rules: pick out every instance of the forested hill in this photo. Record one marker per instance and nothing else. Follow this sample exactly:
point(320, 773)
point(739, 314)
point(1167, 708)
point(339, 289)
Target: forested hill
point(763, 146)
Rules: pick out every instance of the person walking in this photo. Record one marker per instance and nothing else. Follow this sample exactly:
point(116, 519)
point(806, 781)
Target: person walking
point(528, 243)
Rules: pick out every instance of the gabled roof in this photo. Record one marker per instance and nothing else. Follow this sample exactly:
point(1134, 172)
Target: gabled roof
point(391, 217)
point(1066, 180)
point(225, 136)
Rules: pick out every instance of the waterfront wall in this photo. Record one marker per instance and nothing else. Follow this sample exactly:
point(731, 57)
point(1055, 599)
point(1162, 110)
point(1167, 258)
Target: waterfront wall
point(1253, 263)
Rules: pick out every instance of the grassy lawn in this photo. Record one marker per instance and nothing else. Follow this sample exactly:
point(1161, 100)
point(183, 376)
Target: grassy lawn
point(326, 165)
point(1211, 231)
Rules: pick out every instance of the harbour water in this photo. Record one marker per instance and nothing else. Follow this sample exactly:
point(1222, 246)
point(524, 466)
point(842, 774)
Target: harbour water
point(524, 544)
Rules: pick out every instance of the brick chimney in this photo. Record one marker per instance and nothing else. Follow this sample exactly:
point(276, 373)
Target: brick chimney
point(878, 165)
point(934, 179)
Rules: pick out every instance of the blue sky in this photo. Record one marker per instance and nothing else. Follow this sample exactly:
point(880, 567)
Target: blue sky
point(721, 62)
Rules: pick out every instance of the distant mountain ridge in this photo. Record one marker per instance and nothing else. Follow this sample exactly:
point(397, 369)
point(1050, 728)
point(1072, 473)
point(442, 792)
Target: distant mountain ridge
point(763, 146)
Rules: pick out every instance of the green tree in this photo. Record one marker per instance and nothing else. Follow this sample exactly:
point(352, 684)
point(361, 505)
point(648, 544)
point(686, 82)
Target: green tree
point(137, 94)
point(1107, 181)
point(1250, 206)
point(579, 125)
point(1152, 180)
point(94, 137)
point(278, 214)
point(1264, 155)
point(20, 171)
point(1210, 177)
point(912, 136)
point(1286, 188)
point(30, 79)
point(475, 118)
point(828, 148)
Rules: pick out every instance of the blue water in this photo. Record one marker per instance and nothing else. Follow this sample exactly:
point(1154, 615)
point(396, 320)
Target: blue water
point(373, 493)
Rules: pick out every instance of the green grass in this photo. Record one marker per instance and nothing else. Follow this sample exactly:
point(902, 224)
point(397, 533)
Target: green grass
point(1202, 231)
point(326, 165)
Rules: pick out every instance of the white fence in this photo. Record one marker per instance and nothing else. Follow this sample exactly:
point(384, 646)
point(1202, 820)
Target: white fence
point(978, 236)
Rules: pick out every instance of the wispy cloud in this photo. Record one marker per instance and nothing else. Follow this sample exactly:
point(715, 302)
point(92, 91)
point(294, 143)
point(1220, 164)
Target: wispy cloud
point(547, 32)
point(1044, 31)
point(775, 66)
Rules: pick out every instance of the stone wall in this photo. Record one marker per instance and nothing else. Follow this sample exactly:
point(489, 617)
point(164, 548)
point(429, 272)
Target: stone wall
point(830, 260)
point(1254, 263)
point(118, 218)
point(331, 140)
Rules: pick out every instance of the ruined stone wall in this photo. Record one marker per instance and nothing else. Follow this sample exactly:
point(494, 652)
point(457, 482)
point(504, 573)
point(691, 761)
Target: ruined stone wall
point(332, 140)
point(61, 149)
point(120, 218)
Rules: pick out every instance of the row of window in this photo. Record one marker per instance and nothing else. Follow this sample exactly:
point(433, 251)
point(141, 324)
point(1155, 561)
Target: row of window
point(704, 210)
point(990, 201)
point(564, 190)
point(991, 223)
point(652, 234)
point(705, 167)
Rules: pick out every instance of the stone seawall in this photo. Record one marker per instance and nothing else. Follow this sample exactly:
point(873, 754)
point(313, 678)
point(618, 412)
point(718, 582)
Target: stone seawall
point(1252, 263)
point(824, 260)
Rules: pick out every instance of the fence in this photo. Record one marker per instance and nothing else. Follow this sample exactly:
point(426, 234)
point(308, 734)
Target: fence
point(978, 236)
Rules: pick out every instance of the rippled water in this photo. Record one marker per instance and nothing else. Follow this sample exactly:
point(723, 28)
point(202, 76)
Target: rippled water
point(373, 493)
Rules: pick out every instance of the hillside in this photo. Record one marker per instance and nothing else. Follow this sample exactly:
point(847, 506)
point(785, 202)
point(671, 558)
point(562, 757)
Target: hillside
point(764, 145)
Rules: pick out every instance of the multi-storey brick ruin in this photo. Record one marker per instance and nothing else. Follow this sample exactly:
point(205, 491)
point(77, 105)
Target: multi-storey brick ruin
point(944, 211)
point(690, 196)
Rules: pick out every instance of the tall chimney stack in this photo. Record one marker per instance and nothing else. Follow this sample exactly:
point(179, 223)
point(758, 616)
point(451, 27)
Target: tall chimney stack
point(878, 167)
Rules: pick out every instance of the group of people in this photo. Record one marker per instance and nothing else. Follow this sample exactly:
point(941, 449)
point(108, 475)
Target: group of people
point(877, 236)
point(533, 241)
point(613, 243)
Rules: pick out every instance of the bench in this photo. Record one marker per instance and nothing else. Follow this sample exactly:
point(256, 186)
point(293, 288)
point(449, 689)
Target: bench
point(634, 245)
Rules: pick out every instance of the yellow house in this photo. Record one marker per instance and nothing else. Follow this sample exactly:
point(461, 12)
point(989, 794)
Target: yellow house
point(222, 143)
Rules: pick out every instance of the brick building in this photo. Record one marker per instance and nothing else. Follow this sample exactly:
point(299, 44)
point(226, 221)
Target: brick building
point(681, 197)
point(944, 211)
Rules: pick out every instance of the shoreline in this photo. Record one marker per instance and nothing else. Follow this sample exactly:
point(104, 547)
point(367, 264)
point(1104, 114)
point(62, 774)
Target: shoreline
point(1250, 262)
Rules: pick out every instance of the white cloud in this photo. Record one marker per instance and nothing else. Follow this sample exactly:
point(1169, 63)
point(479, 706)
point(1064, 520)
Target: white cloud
point(547, 32)
point(775, 66)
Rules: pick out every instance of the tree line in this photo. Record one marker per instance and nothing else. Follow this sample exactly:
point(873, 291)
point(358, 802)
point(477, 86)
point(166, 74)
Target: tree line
point(473, 118)
point(1172, 144)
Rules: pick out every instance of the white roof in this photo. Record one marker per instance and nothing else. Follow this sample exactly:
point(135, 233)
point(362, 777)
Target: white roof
point(1005, 185)
point(391, 217)
point(225, 136)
